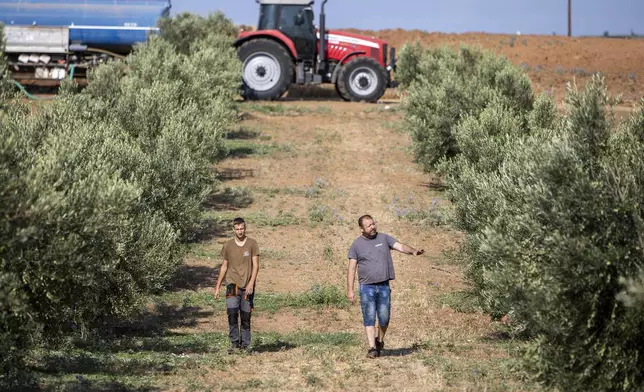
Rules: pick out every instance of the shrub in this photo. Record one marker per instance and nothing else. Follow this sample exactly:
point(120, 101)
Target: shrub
point(451, 85)
point(185, 30)
point(86, 245)
point(5, 84)
point(16, 327)
point(552, 208)
point(566, 229)
point(178, 114)
point(98, 189)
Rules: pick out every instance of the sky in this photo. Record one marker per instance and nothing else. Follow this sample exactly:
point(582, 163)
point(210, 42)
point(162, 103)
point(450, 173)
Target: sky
point(589, 17)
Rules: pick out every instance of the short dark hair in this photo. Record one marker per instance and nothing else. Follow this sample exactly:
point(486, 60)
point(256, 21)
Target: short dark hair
point(363, 217)
point(238, 221)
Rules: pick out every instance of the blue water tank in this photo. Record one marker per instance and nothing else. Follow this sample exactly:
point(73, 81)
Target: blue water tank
point(94, 23)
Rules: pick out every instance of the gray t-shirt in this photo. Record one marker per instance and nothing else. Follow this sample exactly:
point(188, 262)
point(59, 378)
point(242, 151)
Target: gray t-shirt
point(374, 258)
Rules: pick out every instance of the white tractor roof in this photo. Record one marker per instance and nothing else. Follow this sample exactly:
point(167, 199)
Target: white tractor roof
point(286, 2)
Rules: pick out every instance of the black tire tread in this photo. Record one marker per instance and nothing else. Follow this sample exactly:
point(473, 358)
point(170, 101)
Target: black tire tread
point(341, 84)
point(282, 55)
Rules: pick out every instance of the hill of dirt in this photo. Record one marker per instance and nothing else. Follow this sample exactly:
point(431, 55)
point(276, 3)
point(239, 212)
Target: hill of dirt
point(550, 61)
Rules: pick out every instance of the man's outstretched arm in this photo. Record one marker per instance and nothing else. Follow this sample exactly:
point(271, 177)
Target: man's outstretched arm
point(400, 247)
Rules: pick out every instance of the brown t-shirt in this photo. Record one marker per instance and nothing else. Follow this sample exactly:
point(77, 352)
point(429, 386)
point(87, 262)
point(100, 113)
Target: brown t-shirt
point(240, 263)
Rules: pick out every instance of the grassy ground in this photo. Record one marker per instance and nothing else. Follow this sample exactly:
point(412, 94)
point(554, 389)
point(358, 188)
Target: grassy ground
point(301, 173)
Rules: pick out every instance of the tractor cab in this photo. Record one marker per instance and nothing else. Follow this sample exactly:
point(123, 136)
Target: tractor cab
point(295, 20)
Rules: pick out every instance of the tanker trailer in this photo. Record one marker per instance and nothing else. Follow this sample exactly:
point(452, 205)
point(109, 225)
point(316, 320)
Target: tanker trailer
point(49, 40)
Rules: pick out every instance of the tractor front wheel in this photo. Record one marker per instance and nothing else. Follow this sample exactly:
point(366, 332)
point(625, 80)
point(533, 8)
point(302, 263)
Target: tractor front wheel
point(362, 79)
point(267, 69)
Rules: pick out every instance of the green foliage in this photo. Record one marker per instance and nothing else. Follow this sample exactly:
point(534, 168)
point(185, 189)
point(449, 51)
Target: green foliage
point(568, 230)
point(445, 86)
point(552, 208)
point(178, 121)
point(408, 66)
point(185, 31)
point(99, 188)
point(555, 227)
point(86, 245)
point(5, 84)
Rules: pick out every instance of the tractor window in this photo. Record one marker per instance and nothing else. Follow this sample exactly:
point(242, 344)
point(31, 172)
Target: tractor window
point(289, 15)
point(268, 17)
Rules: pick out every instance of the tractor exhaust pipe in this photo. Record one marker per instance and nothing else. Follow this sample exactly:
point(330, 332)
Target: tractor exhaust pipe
point(323, 66)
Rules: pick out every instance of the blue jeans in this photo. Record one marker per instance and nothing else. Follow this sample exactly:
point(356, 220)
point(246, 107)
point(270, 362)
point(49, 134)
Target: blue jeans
point(375, 299)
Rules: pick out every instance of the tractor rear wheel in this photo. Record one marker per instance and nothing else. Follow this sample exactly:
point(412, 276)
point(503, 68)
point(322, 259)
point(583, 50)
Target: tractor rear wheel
point(267, 69)
point(362, 79)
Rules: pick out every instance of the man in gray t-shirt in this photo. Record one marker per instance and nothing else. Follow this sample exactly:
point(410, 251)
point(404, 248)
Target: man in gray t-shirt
point(370, 254)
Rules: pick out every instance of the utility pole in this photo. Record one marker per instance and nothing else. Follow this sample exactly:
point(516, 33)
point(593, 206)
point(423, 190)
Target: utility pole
point(569, 18)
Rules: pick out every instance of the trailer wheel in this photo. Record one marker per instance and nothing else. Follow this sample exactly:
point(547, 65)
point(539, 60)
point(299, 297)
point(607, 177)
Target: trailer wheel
point(362, 79)
point(267, 69)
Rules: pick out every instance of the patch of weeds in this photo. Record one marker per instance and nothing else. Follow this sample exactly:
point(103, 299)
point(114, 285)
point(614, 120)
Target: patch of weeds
point(396, 126)
point(272, 192)
point(580, 72)
point(559, 70)
point(338, 193)
point(278, 109)
point(384, 109)
point(244, 148)
point(261, 219)
point(412, 211)
point(334, 136)
point(273, 254)
point(197, 250)
point(314, 381)
point(187, 298)
point(316, 189)
point(136, 363)
point(243, 134)
point(322, 110)
point(316, 297)
point(493, 374)
point(321, 136)
point(460, 301)
point(322, 213)
point(328, 253)
point(230, 198)
point(303, 338)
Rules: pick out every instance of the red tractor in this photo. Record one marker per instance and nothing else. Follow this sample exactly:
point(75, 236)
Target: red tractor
point(287, 48)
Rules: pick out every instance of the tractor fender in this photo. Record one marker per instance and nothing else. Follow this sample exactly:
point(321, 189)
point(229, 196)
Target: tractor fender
point(275, 35)
point(336, 71)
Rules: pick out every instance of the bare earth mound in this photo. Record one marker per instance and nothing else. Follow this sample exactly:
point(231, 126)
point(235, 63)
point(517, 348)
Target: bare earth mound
point(550, 61)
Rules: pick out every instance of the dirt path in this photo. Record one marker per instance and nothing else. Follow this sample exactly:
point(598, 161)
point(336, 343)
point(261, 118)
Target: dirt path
point(311, 169)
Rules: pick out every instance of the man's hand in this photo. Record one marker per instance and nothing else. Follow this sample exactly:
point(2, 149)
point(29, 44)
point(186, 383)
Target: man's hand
point(249, 289)
point(352, 296)
point(216, 290)
point(419, 252)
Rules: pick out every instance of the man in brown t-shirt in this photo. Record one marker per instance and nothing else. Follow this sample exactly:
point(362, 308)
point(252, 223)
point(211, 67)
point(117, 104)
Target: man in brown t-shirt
point(239, 268)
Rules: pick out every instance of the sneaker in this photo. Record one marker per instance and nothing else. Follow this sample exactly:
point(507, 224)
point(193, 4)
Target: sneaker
point(245, 349)
point(373, 353)
point(379, 346)
point(233, 348)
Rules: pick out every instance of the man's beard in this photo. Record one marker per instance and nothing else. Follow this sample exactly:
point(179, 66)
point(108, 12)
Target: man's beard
point(372, 235)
